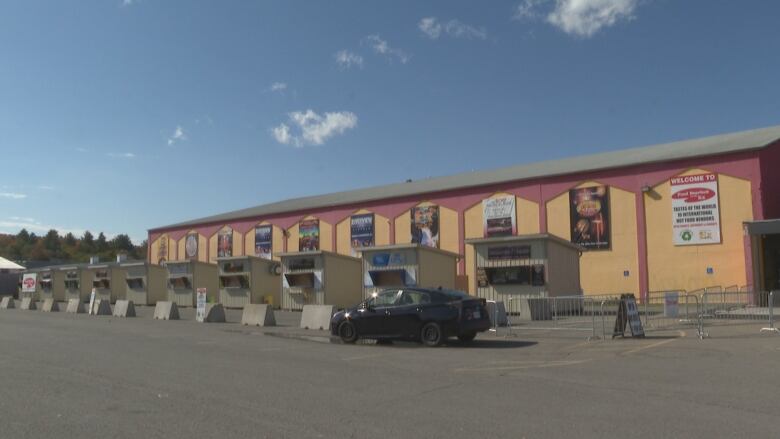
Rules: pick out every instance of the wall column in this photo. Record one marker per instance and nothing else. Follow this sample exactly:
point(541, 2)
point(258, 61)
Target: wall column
point(641, 245)
point(462, 242)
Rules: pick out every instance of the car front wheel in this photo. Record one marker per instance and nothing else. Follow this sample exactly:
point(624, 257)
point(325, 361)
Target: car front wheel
point(431, 334)
point(348, 332)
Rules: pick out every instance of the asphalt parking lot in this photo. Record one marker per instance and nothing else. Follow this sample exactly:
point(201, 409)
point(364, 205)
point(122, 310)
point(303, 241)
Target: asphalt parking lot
point(76, 376)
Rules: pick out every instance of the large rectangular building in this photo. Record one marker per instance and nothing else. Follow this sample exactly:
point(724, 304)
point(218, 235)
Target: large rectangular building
point(654, 218)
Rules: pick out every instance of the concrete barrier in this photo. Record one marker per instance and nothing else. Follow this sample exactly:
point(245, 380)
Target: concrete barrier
point(75, 307)
point(49, 305)
point(496, 311)
point(7, 303)
point(317, 316)
point(28, 304)
point(124, 308)
point(215, 313)
point(101, 308)
point(258, 315)
point(166, 310)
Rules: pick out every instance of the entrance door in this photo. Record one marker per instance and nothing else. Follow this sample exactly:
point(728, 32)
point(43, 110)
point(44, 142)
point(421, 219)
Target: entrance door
point(771, 262)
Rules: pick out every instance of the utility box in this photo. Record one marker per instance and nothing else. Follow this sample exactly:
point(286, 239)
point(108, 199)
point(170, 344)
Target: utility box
point(320, 278)
point(108, 280)
point(185, 277)
point(407, 265)
point(249, 280)
point(526, 266)
point(145, 283)
point(74, 284)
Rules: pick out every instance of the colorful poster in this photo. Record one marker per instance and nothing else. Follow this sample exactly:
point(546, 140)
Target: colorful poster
point(695, 209)
point(225, 243)
point(200, 305)
point(191, 246)
point(29, 281)
point(425, 226)
point(589, 213)
point(499, 217)
point(309, 235)
point(263, 241)
point(162, 250)
point(362, 230)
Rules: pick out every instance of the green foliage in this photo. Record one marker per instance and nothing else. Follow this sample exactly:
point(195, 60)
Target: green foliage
point(25, 246)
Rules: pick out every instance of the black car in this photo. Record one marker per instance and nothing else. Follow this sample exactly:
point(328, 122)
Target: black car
point(426, 315)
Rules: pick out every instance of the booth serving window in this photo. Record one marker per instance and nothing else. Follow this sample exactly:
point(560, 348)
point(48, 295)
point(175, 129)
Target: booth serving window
point(46, 281)
point(101, 280)
point(182, 282)
point(234, 282)
point(520, 275)
point(300, 280)
point(71, 284)
point(233, 267)
point(135, 283)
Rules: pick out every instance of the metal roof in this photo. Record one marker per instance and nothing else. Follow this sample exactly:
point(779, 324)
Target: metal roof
point(705, 146)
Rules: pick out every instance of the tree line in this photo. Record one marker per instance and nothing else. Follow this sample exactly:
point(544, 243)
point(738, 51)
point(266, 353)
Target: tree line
point(26, 246)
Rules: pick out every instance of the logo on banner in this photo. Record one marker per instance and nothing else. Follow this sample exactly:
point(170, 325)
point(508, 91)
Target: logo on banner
point(200, 305)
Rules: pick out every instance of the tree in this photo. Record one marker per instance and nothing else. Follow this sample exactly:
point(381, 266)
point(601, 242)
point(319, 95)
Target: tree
point(87, 244)
point(52, 241)
point(23, 236)
point(39, 252)
point(70, 240)
point(122, 242)
point(101, 243)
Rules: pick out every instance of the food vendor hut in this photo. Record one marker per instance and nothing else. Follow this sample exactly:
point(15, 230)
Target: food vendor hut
point(185, 277)
point(407, 265)
point(319, 278)
point(248, 279)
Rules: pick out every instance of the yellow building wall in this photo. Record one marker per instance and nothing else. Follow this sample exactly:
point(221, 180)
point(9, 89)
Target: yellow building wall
point(202, 248)
point(527, 213)
point(602, 271)
point(344, 231)
point(154, 255)
point(238, 244)
point(326, 236)
point(277, 240)
point(684, 267)
point(181, 252)
point(448, 228)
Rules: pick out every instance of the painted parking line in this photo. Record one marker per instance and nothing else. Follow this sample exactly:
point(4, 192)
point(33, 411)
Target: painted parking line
point(522, 365)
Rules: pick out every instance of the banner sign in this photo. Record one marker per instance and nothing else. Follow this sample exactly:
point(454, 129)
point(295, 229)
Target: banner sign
point(263, 241)
point(628, 314)
point(200, 305)
point(191, 246)
point(309, 235)
point(162, 250)
point(29, 281)
point(499, 218)
point(362, 230)
point(425, 226)
point(589, 213)
point(509, 252)
point(695, 209)
point(225, 243)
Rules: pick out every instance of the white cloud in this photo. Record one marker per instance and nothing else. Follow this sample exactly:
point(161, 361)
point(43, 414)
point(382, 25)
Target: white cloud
point(346, 59)
point(312, 128)
point(382, 47)
point(13, 195)
point(584, 18)
point(177, 136)
point(121, 155)
point(431, 27)
point(127, 2)
point(580, 18)
point(278, 86)
point(46, 187)
point(22, 218)
point(80, 149)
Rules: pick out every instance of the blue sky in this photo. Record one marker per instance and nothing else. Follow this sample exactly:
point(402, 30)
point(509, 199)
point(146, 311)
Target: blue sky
point(119, 116)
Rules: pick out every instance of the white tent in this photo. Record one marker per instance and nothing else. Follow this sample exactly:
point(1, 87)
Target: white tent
point(7, 266)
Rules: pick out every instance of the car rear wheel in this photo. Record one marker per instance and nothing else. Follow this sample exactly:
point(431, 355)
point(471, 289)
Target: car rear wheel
point(431, 334)
point(465, 338)
point(348, 332)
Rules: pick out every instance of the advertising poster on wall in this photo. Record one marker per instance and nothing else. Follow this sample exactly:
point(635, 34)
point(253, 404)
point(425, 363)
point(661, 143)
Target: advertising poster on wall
point(425, 226)
point(362, 230)
point(225, 243)
point(589, 213)
point(29, 281)
point(200, 305)
point(162, 250)
point(263, 241)
point(309, 235)
point(191, 246)
point(695, 209)
point(499, 217)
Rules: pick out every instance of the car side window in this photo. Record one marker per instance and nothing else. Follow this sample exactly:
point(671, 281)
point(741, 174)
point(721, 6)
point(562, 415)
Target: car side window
point(383, 299)
point(409, 298)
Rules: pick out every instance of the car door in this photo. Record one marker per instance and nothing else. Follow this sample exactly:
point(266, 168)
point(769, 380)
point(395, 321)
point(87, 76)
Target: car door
point(405, 318)
point(374, 316)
